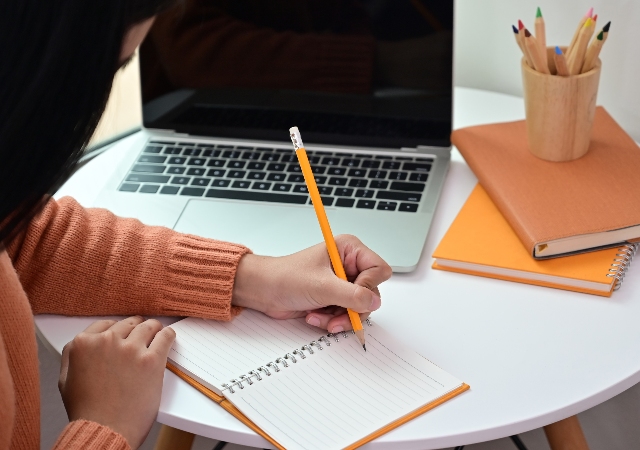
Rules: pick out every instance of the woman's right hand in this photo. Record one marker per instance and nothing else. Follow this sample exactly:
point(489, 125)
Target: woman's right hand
point(112, 374)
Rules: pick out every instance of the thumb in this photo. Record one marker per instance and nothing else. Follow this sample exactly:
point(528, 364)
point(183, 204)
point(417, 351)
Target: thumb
point(348, 295)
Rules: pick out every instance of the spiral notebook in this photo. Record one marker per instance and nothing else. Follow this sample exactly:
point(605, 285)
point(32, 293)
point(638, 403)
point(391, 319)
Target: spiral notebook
point(301, 389)
point(480, 241)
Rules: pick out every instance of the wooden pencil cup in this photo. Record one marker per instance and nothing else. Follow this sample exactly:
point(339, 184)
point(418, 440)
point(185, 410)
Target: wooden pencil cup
point(559, 111)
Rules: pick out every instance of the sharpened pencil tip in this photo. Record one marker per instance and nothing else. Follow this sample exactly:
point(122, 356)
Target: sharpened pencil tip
point(520, 24)
point(558, 51)
point(527, 33)
point(589, 12)
point(601, 36)
point(606, 27)
point(365, 348)
point(515, 30)
point(538, 12)
point(588, 22)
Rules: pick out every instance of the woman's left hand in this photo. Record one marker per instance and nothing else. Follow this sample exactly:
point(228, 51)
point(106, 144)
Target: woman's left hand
point(304, 284)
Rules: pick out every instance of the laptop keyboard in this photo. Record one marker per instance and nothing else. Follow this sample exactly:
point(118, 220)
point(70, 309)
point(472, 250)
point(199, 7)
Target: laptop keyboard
point(388, 183)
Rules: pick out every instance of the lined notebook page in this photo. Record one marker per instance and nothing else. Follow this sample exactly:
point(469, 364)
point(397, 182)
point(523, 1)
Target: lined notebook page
point(215, 352)
point(341, 394)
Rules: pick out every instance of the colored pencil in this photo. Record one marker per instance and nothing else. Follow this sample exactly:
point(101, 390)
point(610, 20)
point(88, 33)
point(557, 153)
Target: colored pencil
point(541, 36)
point(605, 31)
point(534, 50)
point(593, 52)
point(576, 58)
point(519, 37)
point(332, 248)
point(561, 63)
point(588, 15)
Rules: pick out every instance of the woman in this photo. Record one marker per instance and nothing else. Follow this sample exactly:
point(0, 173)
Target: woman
point(56, 257)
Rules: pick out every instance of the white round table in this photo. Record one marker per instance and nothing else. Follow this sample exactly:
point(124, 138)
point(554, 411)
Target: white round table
point(532, 355)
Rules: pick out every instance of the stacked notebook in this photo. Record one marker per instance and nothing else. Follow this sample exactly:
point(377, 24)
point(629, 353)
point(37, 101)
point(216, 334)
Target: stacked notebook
point(299, 388)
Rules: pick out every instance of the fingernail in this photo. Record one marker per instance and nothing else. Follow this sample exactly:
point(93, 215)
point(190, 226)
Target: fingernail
point(313, 320)
point(375, 303)
point(337, 329)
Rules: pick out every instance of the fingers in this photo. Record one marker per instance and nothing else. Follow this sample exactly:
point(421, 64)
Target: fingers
point(99, 326)
point(122, 328)
point(362, 265)
point(145, 332)
point(64, 367)
point(334, 291)
point(334, 323)
point(161, 343)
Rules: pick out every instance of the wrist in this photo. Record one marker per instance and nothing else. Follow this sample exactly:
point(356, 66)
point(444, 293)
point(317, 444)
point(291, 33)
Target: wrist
point(250, 284)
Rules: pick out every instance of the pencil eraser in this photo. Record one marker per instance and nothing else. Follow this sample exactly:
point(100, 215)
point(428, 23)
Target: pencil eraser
point(296, 138)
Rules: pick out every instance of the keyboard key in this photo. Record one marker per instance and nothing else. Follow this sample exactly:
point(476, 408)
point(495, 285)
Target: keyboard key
point(408, 207)
point(207, 145)
point(345, 155)
point(344, 192)
point(402, 196)
point(148, 178)
point(314, 159)
point(196, 162)
point(358, 182)
point(224, 146)
point(163, 143)
point(180, 180)
point(216, 173)
point(320, 180)
point(283, 150)
point(152, 149)
point(197, 171)
point(256, 175)
point(241, 184)
point(257, 196)
point(236, 174)
point(371, 164)
point(172, 151)
point(391, 165)
point(276, 177)
point(194, 192)
point(318, 170)
point(272, 157)
point(290, 158)
point(300, 188)
point(152, 159)
point(261, 186)
point(378, 184)
point(337, 181)
point(325, 190)
point(176, 170)
point(236, 164)
point(256, 166)
point(201, 181)
point(192, 152)
point(331, 161)
point(231, 154)
point(216, 163)
point(336, 171)
point(294, 168)
point(382, 157)
point(244, 148)
point(276, 167)
point(177, 160)
point(422, 167)
point(345, 202)
point(321, 153)
point(326, 201)
point(251, 155)
point(350, 162)
point(148, 168)
point(378, 174)
point(282, 187)
point(295, 178)
point(210, 152)
point(149, 188)
point(364, 193)
point(387, 206)
point(398, 175)
point(264, 149)
point(366, 204)
point(357, 173)
point(419, 176)
point(403, 158)
point(169, 190)
point(221, 183)
point(410, 187)
point(129, 187)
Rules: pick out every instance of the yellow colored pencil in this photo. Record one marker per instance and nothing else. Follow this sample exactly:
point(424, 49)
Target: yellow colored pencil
point(577, 32)
point(332, 248)
point(576, 58)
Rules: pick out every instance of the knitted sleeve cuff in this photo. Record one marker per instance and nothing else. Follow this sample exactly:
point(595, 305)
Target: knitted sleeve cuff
point(83, 434)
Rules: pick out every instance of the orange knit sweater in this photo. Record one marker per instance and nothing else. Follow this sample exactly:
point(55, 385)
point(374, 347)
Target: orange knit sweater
point(88, 262)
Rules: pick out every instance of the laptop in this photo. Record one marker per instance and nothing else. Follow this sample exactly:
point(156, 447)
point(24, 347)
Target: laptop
point(368, 83)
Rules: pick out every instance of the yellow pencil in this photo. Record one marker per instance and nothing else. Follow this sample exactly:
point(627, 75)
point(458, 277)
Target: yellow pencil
point(336, 262)
point(576, 58)
point(589, 14)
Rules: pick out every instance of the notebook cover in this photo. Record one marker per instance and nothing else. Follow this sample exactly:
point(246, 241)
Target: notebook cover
point(481, 235)
point(244, 419)
point(543, 200)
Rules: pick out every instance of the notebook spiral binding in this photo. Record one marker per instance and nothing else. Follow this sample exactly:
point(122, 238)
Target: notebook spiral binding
point(622, 262)
point(283, 361)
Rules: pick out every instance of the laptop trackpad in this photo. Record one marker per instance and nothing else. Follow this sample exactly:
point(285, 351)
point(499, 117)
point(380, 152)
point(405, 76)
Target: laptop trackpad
point(267, 229)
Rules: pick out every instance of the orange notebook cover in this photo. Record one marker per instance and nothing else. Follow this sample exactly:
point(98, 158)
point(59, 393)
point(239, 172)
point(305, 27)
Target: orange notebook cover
point(481, 242)
point(559, 208)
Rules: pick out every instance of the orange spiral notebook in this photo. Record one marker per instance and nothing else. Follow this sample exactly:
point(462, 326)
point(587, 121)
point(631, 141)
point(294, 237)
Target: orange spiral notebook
point(298, 388)
point(481, 242)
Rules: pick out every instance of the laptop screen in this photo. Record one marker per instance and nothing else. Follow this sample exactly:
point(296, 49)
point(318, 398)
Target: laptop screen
point(347, 72)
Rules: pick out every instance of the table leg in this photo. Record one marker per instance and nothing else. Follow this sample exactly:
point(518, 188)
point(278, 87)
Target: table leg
point(173, 439)
point(566, 435)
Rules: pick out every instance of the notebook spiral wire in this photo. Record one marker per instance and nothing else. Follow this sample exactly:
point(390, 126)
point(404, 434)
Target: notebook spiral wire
point(621, 263)
point(285, 361)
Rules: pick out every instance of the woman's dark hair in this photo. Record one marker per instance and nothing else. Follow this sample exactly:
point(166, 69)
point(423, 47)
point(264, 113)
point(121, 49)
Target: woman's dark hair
point(58, 62)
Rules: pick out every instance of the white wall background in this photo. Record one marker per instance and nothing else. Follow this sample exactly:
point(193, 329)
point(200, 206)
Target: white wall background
point(487, 56)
